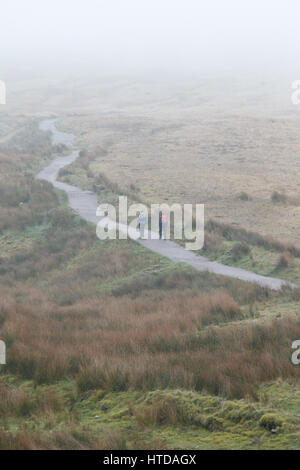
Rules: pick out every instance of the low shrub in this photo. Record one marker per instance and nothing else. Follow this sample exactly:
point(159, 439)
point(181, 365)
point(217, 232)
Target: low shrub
point(271, 421)
point(243, 196)
point(285, 259)
point(213, 243)
point(277, 197)
point(239, 250)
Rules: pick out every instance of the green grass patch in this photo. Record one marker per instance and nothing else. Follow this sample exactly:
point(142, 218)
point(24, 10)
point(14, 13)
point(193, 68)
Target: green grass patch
point(172, 419)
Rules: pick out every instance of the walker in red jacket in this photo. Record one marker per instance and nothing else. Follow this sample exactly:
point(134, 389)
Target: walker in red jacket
point(164, 221)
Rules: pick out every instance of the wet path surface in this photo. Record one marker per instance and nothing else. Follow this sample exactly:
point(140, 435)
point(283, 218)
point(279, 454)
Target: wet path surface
point(85, 204)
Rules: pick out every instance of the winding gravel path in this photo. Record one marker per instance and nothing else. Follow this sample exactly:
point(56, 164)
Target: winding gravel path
point(85, 204)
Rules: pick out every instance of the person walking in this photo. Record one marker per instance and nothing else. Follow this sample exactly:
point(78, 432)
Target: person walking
point(164, 220)
point(141, 223)
point(160, 224)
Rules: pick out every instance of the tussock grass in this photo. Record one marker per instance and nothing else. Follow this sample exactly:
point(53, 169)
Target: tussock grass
point(229, 232)
point(123, 343)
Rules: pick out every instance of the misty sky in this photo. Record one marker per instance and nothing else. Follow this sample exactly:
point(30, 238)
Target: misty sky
point(190, 35)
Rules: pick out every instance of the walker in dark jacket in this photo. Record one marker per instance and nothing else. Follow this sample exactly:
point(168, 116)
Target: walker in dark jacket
point(160, 225)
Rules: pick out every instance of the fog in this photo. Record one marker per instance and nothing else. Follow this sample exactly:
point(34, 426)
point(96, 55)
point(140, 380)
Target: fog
point(149, 36)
